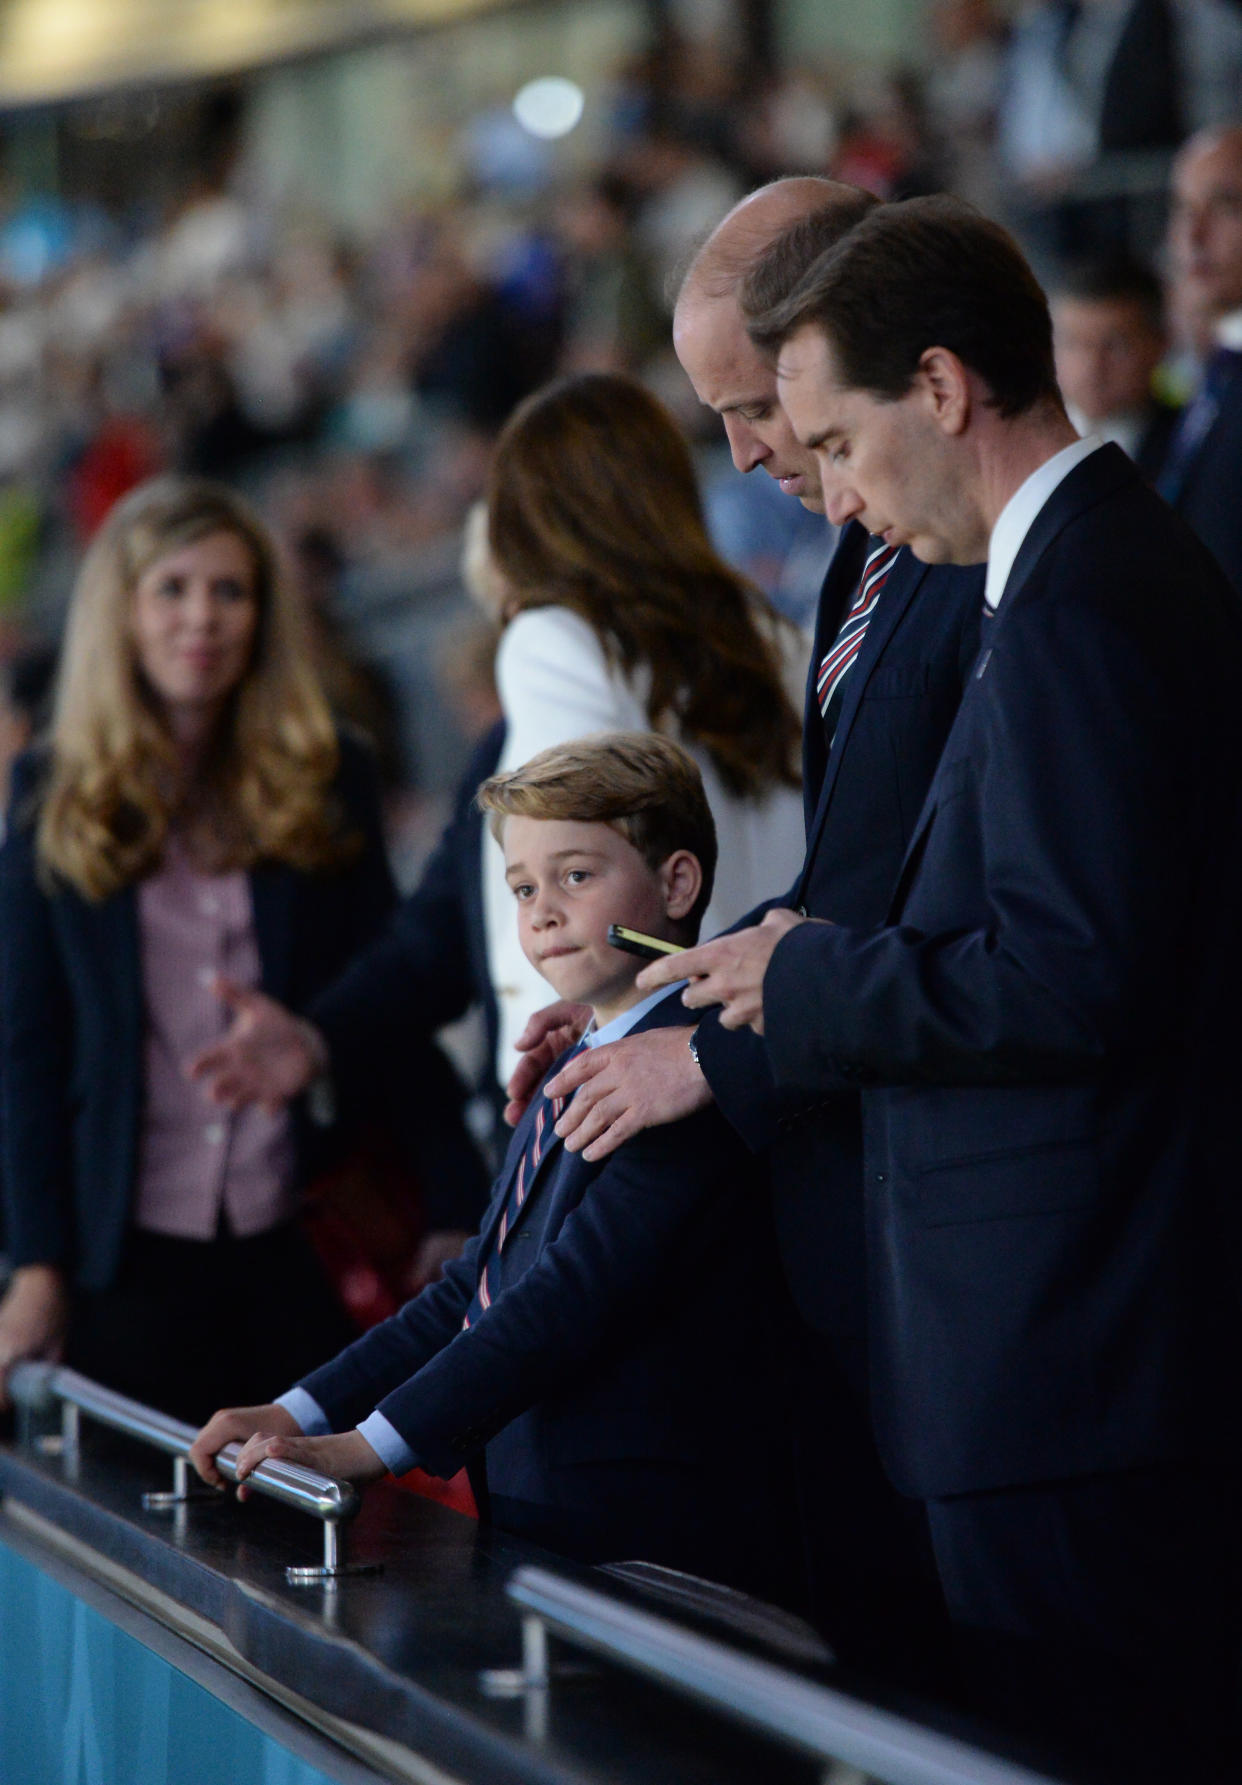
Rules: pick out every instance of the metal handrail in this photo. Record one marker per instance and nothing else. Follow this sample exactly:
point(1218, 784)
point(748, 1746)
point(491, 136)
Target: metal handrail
point(801, 1713)
point(34, 1385)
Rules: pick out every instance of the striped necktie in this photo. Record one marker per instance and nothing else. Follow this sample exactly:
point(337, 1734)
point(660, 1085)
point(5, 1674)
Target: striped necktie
point(542, 1136)
point(845, 647)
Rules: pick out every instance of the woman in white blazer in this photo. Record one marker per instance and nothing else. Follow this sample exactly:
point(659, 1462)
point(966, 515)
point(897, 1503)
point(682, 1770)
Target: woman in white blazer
point(620, 616)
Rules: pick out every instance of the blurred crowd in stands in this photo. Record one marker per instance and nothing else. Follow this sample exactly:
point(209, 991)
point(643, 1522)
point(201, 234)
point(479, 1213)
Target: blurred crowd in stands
point(355, 386)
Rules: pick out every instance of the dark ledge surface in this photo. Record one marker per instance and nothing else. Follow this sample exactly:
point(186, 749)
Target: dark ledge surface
point(400, 1652)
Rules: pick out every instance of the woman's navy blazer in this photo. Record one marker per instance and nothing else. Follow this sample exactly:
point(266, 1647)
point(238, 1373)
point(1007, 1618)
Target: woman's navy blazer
point(71, 1019)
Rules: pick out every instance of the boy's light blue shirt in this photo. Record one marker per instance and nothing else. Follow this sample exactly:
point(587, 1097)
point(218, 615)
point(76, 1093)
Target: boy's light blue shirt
point(380, 1433)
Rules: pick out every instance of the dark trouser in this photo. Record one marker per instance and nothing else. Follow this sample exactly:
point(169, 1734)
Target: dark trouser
point(871, 1574)
point(730, 1526)
point(192, 1325)
point(1102, 1619)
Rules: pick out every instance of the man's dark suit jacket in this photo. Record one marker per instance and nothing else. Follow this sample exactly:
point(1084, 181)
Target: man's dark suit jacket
point(71, 1021)
point(899, 701)
point(1047, 1027)
point(623, 1344)
point(1210, 496)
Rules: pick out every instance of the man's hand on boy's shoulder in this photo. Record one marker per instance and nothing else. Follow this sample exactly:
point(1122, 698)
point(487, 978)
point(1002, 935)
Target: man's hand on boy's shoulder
point(544, 1039)
point(641, 1081)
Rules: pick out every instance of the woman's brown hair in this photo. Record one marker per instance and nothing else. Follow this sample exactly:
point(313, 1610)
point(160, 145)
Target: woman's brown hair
point(113, 788)
point(594, 506)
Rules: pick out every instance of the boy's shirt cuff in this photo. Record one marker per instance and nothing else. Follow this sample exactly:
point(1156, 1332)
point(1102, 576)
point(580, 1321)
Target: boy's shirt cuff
point(387, 1443)
point(307, 1411)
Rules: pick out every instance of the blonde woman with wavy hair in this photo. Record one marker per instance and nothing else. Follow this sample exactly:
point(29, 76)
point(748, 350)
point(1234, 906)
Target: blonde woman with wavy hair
point(193, 828)
point(127, 763)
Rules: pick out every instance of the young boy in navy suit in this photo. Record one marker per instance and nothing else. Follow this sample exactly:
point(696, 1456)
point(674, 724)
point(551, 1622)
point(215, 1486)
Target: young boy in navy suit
point(598, 1357)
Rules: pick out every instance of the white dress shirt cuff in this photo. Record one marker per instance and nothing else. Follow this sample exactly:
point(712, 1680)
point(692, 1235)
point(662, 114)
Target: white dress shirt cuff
point(388, 1444)
point(307, 1411)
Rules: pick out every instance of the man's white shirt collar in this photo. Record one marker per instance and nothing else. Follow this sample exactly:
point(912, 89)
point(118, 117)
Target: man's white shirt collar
point(1018, 515)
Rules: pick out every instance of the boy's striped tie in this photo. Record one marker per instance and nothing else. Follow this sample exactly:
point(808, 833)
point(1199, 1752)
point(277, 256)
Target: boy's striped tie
point(540, 1139)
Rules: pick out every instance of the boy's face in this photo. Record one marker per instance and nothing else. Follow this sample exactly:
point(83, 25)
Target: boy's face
point(571, 880)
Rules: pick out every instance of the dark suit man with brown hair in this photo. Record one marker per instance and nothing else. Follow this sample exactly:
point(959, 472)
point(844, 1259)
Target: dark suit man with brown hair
point(1045, 1025)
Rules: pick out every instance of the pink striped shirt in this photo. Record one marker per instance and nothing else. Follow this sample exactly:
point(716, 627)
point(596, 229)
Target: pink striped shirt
point(195, 1160)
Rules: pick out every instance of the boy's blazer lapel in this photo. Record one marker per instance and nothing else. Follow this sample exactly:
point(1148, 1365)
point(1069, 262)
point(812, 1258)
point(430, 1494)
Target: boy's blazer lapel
point(537, 1181)
point(556, 1166)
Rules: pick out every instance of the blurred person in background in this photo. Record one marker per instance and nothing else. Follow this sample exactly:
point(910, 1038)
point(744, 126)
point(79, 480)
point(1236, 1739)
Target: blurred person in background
point(1109, 338)
point(25, 700)
point(887, 145)
point(620, 616)
point(776, 543)
point(964, 93)
point(359, 694)
point(1199, 475)
point(683, 189)
point(614, 321)
point(195, 822)
point(479, 337)
point(1101, 79)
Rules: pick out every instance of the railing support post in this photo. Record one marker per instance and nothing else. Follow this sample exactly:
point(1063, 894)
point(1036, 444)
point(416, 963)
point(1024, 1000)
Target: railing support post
point(41, 1385)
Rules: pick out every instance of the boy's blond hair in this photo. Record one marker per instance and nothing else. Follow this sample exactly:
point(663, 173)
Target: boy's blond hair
point(645, 786)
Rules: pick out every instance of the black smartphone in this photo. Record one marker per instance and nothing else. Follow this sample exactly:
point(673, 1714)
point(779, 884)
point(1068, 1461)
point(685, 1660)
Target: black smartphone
point(634, 942)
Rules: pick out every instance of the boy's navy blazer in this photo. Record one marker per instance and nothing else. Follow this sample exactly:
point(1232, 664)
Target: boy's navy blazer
point(1046, 1030)
point(627, 1325)
point(72, 1019)
point(898, 704)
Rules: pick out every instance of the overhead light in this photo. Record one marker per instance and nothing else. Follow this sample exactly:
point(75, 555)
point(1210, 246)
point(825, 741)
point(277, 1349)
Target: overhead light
point(549, 107)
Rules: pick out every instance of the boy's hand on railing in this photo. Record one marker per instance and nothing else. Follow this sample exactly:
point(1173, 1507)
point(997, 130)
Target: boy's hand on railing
point(234, 1425)
point(344, 1456)
point(34, 1314)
